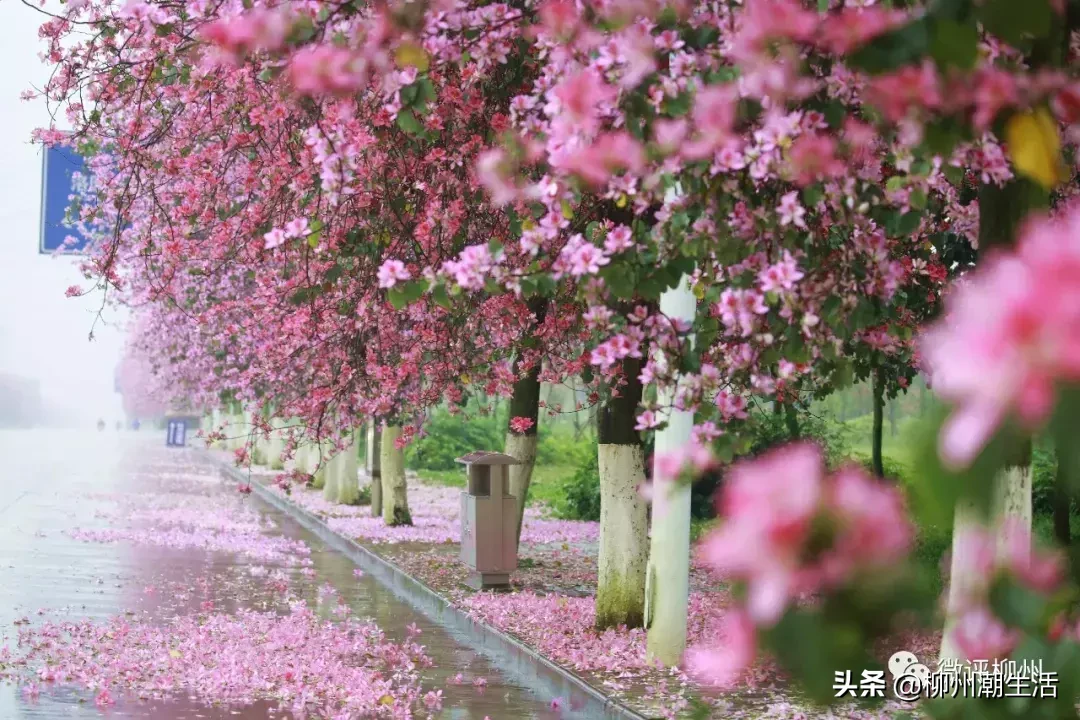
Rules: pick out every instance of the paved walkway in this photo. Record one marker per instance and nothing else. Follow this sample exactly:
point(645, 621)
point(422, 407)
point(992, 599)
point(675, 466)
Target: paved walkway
point(111, 527)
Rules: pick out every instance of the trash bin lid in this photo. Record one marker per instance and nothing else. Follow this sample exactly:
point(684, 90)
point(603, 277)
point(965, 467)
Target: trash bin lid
point(485, 457)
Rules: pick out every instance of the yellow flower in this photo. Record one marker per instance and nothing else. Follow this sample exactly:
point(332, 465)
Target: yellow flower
point(1034, 147)
point(410, 54)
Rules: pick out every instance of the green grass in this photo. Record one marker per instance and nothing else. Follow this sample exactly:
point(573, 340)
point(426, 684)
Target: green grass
point(899, 448)
point(544, 488)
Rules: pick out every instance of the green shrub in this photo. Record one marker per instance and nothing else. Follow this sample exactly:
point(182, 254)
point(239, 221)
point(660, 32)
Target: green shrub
point(579, 498)
point(769, 430)
point(364, 497)
point(1043, 470)
point(448, 437)
point(894, 470)
point(557, 446)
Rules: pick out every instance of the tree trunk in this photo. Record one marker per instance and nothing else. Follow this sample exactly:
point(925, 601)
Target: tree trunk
point(374, 465)
point(331, 472)
point(1012, 499)
point(525, 402)
point(877, 392)
point(275, 447)
point(965, 516)
point(346, 483)
point(1062, 506)
point(791, 422)
point(624, 549)
point(395, 500)
point(318, 464)
point(668, 575)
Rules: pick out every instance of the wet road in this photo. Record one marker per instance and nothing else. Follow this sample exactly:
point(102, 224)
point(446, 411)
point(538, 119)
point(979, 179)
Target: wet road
point(95, 525)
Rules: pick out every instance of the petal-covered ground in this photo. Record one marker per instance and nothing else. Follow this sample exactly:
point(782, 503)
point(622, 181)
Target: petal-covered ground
point(297, 660)
point(436, 515)
point(551, 608)
point(215, 608)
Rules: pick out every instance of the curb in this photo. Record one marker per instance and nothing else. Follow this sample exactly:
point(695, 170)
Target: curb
point(523, 664)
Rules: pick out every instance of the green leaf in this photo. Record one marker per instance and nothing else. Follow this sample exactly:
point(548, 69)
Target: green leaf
point(918, 199)
point(908, 223)
point(1017, 606)
point(441, 297)
point(955, 45)
point(406, 293)
point(678, 105)
point(408, 122)
point(619, 279)
point(812, 195)
point(1011, 20)
point(903, 46)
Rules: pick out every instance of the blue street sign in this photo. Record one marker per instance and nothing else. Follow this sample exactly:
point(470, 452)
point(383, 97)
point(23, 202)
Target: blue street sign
point(58, 166)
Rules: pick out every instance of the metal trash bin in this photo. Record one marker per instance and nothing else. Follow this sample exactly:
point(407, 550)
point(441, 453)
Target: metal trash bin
point(488, 520)
point(177, 433)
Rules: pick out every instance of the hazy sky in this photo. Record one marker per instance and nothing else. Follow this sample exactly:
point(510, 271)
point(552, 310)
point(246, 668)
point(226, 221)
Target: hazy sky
point(43, 334)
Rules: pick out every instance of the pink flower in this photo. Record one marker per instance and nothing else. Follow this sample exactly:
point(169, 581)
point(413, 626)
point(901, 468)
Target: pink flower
point(1010, 335)
point(1040, 570)
point(275, 238)
point(520, 424)
point(647, 420)
point(812, 157)
point(472, 266)
point(791, 211)
point(104, 698)
point(495, 173)
point(781, 276)
point(391, 272)
point(433, 700)
point(874, 528)
point(994, 90)
point(608, 154)
point(587, 260)
point(767, 505)
point(911, 87)
point(731, 406)
point(73, 291)
point(619, 238)
point(693, 456)
point(296, 228)
point(981, 636)
point(724, 662)
point(853, 27)
point(317, 69)
point(713, 116)
point(738, 308)
point(580, 98)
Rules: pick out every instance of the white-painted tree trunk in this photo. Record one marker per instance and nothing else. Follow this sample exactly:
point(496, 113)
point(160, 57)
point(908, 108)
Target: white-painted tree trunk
point(668, 576)
point(1012, 499)
point(624, 537)
point(374, 467)
point(276, 447)
point(331, 474)
point(395, 500)
point(320, 459)
point(346, 484)
point(523, 449)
